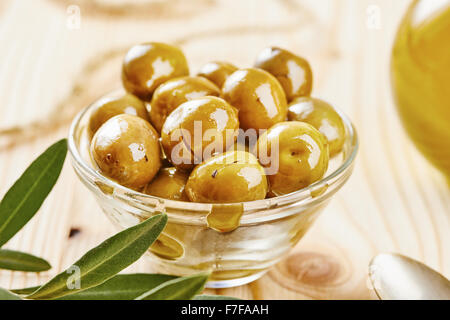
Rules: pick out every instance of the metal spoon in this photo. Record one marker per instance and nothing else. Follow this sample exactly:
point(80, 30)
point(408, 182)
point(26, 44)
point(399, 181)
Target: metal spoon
point(396, 277)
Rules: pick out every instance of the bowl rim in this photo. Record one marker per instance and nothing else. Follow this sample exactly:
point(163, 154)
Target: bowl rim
point(293, 197)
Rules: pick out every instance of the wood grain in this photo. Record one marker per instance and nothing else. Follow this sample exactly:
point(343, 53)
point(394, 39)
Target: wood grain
point(394, 202)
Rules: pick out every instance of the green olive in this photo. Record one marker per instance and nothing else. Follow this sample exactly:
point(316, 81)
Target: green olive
point(107, 108)
point(258, 96)
point(295, 154)
point(234, 176)
point(323, 117)
point(217, 72)
point(168, 96)
point(293, 72)
point(126, 149)
point(148, 65)
point(197, 129)
point(168, 184)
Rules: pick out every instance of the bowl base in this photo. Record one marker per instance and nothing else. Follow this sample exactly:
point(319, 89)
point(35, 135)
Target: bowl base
point(222, 284)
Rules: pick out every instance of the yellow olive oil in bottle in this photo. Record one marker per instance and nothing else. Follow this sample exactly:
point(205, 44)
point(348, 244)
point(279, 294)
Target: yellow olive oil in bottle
point(421, 78)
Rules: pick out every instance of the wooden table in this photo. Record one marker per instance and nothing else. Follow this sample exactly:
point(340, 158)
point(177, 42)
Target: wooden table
point(50, 70)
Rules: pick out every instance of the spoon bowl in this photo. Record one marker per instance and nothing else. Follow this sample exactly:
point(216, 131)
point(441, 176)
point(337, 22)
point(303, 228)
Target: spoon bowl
point(396, 277)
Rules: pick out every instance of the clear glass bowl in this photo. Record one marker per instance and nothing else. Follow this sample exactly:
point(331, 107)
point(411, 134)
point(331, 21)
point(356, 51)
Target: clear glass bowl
point(268, 229)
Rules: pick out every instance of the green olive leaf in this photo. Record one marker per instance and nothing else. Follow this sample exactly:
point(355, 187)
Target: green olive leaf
point(25, 291)
point(213, 297)
point(26, 196)
point(104, 261)
point(184, 288)
point(6, 295)
point(20, 261)
point(121, 287)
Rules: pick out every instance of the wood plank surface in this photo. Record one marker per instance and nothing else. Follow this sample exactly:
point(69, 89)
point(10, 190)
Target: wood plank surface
point(394, 202)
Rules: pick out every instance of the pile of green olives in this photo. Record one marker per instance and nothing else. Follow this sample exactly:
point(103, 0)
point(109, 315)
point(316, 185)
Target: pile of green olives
point(224, 135)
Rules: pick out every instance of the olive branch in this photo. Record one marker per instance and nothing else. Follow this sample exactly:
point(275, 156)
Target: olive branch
point(95, 275)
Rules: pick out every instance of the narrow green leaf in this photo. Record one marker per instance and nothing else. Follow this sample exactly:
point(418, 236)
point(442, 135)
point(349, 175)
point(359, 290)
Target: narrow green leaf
point(184, 288)
point(104, 261)
point(26, 196)
point(121, 287)
point(212, 297)
point(20, 261)
point(25, 291)
point(6, 295)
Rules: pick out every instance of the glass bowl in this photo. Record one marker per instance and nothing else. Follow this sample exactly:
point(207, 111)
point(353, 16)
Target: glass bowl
point(268, 228)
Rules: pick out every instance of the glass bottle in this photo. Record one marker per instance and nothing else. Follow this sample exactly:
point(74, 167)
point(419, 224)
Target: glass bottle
point(421, 78)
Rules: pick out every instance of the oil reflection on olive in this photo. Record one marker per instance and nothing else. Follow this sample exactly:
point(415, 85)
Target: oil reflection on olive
point(107, 108)
point(258, 96)
point(169, 184)
point(293, 72)
point(148, 65)
point(197, 129)
point(323, 117)
point(234, 176)
point(217, 72)
point(301, 152)
point(126, 149)
point(168, 96)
